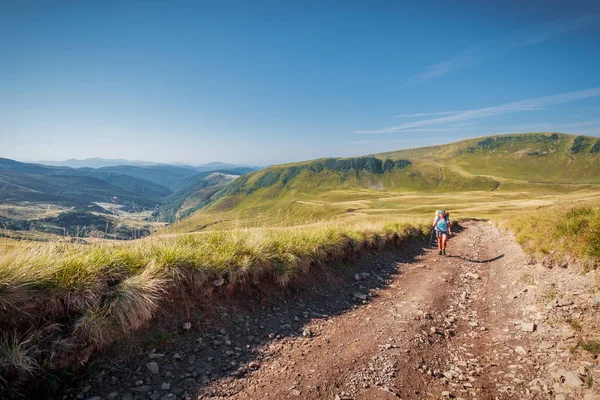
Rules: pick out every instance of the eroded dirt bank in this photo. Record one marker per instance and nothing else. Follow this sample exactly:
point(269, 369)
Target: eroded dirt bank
point(410, 324)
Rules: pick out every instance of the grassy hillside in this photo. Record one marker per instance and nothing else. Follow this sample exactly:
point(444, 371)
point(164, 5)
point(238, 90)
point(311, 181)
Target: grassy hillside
point(508, 171)
point(195, 192)
point(535, 157)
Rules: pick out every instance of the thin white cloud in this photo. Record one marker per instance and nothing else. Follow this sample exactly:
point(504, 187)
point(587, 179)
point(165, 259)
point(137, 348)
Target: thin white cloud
point(534, 104)
point(522, 37)
point(551, 29)
point(572, 127)
point(426, 114)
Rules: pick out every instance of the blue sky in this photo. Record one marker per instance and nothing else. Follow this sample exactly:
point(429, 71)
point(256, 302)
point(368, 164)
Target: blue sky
point(272, 82)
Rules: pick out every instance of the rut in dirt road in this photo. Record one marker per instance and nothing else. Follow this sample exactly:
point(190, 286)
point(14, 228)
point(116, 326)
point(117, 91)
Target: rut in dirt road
point(403, 324)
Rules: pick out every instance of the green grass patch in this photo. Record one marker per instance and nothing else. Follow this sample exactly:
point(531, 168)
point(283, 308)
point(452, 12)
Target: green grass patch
point(560, 231)
point(592, 346)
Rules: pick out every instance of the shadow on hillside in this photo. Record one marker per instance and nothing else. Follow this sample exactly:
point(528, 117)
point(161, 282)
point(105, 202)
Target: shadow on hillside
point(230, 330)
point(478, 261)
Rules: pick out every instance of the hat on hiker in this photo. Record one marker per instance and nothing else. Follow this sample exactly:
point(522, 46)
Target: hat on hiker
point(442, 212)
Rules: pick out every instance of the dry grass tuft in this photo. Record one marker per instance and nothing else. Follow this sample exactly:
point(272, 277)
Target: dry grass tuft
point(135, 300)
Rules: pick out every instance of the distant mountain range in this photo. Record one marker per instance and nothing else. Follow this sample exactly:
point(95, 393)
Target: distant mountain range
point(160, 188)
point(113, 162)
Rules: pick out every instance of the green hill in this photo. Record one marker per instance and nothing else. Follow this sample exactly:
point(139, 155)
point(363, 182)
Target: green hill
point(195, 192)
point(535, 157)
point(325, 187)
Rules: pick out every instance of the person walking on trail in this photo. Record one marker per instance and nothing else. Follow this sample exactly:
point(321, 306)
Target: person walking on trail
point(443, 229)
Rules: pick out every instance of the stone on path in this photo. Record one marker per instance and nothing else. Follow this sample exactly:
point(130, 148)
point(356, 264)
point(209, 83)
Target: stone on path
point(564, 303)
point(572, 378)
point(520, 350)
point(187, 326)
point(152, 367)
point(527, 326)
point(360, 296)
point(141, 389)
point(165, 386)
point(471, 275)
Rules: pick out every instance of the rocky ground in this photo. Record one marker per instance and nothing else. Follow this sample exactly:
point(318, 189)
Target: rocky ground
point(480, 323)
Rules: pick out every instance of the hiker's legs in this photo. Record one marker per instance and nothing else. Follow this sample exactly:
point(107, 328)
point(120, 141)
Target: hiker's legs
point(439, 240)
point(444, 241)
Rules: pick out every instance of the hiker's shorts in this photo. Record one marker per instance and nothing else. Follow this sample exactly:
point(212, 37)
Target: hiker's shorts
point(440, 233)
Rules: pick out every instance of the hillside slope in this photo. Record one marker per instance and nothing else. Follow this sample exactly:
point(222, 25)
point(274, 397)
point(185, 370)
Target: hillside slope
point(326, 187)
point(196, 192)
point(535, 157)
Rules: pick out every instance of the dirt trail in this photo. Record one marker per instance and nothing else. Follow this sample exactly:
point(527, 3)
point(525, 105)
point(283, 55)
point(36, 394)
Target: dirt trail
point(406, 324)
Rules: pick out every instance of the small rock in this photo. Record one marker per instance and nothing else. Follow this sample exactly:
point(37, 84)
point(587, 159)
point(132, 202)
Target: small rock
point(546, 345)
point(112, 395)
point(360, 296)
point(564, 303)
point(307, 333)
point(560, 396)
point(446, 394)
point(471, 275)
point(187, 326)
point(152, 367)
point(254, 365)
point(572, 378)
point(527, 326)
point(141, 389)
point(155, 355)
point(219, 282)
point(568, 334)
point(597, 299)
point(165, 386)
point(295, 392)
point(176, 356)
point(520, 350)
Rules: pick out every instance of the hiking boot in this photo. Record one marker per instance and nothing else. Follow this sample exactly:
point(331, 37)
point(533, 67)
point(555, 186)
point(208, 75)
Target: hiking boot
point(440, 252)
point(443, 252)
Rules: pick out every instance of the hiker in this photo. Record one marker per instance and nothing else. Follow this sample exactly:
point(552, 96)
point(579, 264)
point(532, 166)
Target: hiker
point(443, 229)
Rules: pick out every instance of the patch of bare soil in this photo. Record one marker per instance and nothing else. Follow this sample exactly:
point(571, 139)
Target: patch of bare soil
point(476, 324)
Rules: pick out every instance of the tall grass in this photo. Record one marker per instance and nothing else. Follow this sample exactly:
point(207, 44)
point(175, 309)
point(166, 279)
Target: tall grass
point(99, 292)
point(560, 232)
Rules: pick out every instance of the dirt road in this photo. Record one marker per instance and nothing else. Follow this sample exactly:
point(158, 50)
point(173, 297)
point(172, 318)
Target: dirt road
point(406, 324)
